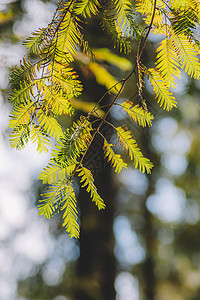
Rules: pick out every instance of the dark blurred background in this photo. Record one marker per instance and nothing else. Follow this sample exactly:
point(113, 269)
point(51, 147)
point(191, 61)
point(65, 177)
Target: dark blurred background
point(146, 244)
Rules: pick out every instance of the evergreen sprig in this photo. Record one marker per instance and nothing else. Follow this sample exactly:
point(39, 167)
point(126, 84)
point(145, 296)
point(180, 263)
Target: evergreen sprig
point(45, 84)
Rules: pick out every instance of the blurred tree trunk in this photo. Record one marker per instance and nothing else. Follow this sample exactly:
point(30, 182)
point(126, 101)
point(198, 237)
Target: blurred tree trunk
point(148, 266)
point(96, 267)
point(149, 229)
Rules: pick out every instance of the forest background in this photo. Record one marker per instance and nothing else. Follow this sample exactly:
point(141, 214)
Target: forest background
point(145, 245)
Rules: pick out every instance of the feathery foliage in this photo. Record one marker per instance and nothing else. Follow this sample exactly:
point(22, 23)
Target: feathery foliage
point(70, 212)
point(128, 143)
point(188, 54)
point(163, 94)
point(87, 181)
point(140, 115)
point(45, 85)
point(167, 62)
point(86, 8)
point(56, 172)
point(110, 25)
point(39, 136)
point(73, 143)
point(52, 199)
point(115, 159)
point(61, 196)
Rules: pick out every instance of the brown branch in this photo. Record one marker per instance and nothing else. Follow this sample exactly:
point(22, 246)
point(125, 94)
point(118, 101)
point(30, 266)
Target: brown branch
point(144, 43)
point(97, 130)
point(124, 81)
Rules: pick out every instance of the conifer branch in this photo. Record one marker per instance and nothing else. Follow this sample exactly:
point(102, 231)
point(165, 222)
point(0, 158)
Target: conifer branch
point(45, 89)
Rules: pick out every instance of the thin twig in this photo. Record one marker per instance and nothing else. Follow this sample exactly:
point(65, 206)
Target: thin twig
point(123, 81)
point(144, 43)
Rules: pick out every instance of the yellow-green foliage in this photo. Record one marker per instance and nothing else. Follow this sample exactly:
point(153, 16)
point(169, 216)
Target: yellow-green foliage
point(70, 212)
point(86, 8)
point(56, 172)
point(140, 115)
point(61, 195)
point(39, 138)
point(163, 94)
point(48, 86)
point(128, 143)
point(52, 199)
point(167, 62)
point(188, 54)
point(87, 181)
point(115, 159)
